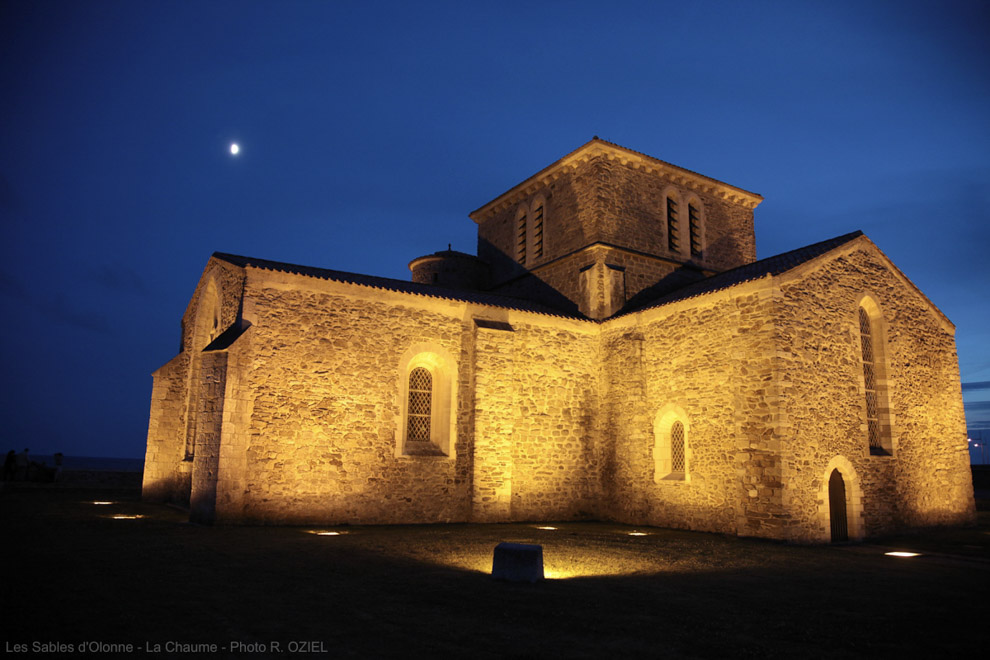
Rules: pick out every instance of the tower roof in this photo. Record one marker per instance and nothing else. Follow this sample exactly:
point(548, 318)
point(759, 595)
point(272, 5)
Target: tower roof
point(599, 147)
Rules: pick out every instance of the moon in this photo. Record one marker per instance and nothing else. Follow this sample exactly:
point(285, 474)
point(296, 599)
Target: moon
point(234, 148)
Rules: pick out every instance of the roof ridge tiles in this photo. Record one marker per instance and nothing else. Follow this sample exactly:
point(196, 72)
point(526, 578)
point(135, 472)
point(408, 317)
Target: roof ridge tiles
point(399, 286)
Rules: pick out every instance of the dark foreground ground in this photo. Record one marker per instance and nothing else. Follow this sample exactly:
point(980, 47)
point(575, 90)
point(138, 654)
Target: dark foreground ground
point(74, 575)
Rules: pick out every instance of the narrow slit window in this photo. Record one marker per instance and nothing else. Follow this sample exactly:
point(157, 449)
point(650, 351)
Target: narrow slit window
point(873, 429)
point(420, 405)
point(677, 460)
point(694, 220)
point(521, 238)
point(673, 239)
point(538, 232)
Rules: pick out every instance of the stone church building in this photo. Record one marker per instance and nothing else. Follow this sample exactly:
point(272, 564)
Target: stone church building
point(615, 351)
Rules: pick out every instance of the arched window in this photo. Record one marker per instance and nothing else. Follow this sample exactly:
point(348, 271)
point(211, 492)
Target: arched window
point(425, 408)
point(420, 405)
point(873, 353)
point(671, 451)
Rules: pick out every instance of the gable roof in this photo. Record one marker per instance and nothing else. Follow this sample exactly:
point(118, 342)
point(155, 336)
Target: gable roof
point(401, 286)
point(597, 147)
point(774, 265)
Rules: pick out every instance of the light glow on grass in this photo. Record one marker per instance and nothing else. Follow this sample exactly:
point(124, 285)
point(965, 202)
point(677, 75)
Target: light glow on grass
point(101, 503)
point(123, 517)
point(901, 553)
point(546, 527)
point(638, 534)
point(325, 532)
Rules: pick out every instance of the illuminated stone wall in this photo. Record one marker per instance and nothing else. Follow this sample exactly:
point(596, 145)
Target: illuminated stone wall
point(178, 397)
point(536, 453)
point(318, 399)
point(708, 359)
point(166, 474)
point(818, 373)
point(604, 200)
point(286, 403)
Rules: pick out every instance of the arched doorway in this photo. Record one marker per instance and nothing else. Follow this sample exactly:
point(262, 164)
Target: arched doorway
point(837, 507)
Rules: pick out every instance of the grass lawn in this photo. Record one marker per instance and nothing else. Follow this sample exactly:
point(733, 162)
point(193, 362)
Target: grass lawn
point(74, 574)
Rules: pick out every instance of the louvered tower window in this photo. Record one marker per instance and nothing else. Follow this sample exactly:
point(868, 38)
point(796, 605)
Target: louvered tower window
point(870, 379)
point(420, 405)
point(694, 219)
point(538, 232)
point(677, 461)
point(673, 239)
point(521, 238)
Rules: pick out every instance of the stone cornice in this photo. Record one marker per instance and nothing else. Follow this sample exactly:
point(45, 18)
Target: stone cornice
point(603, 148)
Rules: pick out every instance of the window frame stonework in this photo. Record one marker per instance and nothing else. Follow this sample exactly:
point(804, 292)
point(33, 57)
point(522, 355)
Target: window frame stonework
point(537, 224)
point(443, 396)
point(696, 227)
point(521, 235)
point(665, 424)
point(874, 390)
point(672, 203)
point(419, 410)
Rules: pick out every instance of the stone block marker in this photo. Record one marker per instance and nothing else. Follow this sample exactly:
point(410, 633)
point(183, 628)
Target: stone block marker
point(518, 562)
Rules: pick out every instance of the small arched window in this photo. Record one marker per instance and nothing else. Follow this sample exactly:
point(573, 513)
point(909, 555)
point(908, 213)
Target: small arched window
point(872, 352)
point(426, 423)
point(671, 451)
point(420, 405)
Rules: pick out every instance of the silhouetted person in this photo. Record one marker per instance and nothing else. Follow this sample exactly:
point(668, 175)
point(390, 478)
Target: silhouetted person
point(10, 466)
point(58, 467)
point(23, 463)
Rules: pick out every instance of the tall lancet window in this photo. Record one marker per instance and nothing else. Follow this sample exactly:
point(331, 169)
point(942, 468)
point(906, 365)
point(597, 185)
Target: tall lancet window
point(673, 237)
point(420, 405)
point(874, 382)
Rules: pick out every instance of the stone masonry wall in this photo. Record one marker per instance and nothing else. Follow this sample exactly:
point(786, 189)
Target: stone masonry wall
point(322, 436)
point(177, 396)
point(633, 215)
point(536, 399)
point(709, 359)
point(326, 381)
point(570, 202)
point(166, 474)
point(605, 201)
point(926, 481)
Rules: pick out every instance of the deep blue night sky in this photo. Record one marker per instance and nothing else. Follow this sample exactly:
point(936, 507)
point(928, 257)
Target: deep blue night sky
point(370, 129)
